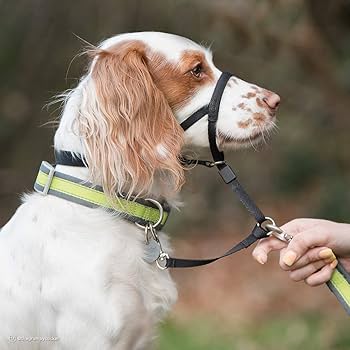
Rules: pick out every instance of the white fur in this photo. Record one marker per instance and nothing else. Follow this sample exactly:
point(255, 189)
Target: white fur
point(76, 273)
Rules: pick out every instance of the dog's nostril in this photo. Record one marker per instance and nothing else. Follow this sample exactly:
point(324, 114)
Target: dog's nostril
point(272, 100)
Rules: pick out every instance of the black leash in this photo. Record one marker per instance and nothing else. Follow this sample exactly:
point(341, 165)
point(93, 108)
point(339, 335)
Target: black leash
point(340, 282)
point(227, 174)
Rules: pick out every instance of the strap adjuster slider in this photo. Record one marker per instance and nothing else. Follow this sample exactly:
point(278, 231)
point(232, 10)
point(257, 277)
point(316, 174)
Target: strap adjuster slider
point(50, 176)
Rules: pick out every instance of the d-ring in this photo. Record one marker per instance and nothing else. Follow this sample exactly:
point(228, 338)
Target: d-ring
point(161, 213)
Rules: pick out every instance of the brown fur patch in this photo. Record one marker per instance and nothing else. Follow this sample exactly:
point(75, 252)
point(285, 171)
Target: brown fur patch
point(245, 124)
point(260, 103)
point(175, 80)
point(259, 117)
point(132, 121)
point(249, 95)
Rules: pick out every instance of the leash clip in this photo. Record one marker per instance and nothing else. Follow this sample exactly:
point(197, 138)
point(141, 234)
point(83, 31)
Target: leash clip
point(162, 258)
point(275, 231)
point(279, 233)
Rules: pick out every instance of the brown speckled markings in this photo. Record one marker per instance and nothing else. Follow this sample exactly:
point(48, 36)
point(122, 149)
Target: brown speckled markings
point(260, 103)
point(241, 105)
point(245, 124)
point(259, 117)
point(249, 95)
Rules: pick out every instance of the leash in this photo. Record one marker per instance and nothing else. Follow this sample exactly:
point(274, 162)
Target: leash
point(339, 284)
point(264, 226)
point(227, 174)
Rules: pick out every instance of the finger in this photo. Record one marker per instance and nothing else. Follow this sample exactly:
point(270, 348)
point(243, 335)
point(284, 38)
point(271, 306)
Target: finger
point(322, 276)
point(300, 244)
point(296, 226)
point(266, 246)
point(312, 255)
point(306, 271)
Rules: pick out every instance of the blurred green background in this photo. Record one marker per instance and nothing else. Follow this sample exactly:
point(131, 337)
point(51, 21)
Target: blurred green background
point(300, 49)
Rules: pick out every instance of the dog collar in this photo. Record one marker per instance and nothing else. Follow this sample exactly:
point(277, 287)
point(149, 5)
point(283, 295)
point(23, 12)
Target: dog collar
point(140, 211)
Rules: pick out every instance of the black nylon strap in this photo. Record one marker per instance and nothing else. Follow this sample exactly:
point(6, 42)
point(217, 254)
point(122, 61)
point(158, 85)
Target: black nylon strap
point(227, 174)
point(68, 158)
point(256, 234)
point(248, 203)
point(213, 114)
point(193, 118)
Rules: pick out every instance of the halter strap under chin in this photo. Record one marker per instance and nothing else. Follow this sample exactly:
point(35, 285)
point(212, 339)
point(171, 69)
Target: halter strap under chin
point(212, 110)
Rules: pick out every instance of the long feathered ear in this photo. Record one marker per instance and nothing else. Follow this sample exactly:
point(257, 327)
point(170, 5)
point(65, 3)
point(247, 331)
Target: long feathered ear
point(129, 131)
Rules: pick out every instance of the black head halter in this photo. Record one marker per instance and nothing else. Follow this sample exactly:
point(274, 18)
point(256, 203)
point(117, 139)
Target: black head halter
point(263, 224)
point(226, 172)
point(212, 110)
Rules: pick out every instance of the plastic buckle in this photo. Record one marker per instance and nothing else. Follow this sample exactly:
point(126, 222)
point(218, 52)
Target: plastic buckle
point(227, 174)
point(50, 176)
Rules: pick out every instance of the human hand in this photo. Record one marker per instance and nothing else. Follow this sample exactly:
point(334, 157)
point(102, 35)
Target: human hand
point(309, 256)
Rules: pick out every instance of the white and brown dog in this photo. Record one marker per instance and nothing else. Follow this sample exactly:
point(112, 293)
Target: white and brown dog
point(73, 276)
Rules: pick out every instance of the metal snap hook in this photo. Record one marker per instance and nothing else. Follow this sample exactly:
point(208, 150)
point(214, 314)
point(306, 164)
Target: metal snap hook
point(275, 231)
point(162, 261)
point(264, 224)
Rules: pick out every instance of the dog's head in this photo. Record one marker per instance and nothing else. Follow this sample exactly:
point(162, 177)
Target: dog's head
point(139, 88)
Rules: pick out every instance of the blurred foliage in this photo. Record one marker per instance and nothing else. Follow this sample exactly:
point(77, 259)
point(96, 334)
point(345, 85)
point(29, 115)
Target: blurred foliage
point(297, 48)
point(310, 332)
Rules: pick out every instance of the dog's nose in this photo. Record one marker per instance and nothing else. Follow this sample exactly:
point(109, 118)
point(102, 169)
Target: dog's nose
point(272, 100)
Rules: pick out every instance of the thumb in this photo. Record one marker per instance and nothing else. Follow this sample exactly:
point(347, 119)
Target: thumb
point(302, 242)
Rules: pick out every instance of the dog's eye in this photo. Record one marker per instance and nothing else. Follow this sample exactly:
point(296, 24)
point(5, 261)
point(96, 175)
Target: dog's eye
point(197, 70)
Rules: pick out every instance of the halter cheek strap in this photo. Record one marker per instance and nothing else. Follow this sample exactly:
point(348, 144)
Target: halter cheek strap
point(212, 110)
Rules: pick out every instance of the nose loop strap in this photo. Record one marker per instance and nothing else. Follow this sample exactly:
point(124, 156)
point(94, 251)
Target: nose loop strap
point(213, 114)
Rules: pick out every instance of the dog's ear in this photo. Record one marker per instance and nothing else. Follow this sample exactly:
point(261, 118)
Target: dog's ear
point(130, 132)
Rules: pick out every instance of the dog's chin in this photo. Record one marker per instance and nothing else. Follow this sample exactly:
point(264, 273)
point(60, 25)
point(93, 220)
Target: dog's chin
point(227, 141)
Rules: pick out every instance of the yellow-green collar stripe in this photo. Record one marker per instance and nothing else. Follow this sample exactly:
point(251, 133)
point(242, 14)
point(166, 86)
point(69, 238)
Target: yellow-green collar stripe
point(81, 192)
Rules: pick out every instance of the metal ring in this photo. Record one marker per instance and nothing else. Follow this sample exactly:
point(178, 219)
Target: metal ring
point(163, 257)
point(161, 213)
point(267, 218)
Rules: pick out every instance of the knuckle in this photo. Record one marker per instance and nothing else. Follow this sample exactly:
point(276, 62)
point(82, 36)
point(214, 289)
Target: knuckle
point(294, 277)
point(311, 282)
point(328, 275)
point(283, 266)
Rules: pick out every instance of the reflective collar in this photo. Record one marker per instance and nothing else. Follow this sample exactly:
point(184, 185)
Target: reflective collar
point(140, 211)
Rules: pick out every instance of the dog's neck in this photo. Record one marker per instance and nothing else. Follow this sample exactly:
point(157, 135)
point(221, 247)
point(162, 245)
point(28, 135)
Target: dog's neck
point(67, 135)
point(67, 138)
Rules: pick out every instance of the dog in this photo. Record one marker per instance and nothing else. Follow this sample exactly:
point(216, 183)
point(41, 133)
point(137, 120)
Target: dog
point(73, 277)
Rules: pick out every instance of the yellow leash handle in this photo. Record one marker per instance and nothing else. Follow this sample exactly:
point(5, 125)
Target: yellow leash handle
point(339, 285)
